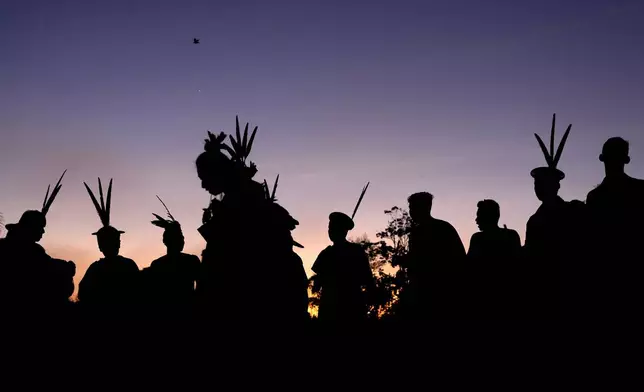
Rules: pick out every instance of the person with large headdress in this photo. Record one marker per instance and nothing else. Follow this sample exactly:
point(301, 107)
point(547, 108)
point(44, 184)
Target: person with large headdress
point(110, 285)
point(248, 235)
point(343, 273)
point(171, 279)
point(552, 232)
point(32, 281)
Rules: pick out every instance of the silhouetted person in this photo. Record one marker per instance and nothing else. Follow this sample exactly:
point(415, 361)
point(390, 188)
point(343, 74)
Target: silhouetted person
point(436, 256)
point(552, 240)
point(617, 212)
point(343, 274)
point(249, 245)
point(170, 280)
point(493, 255)
point(109, 288)
point(32, 283)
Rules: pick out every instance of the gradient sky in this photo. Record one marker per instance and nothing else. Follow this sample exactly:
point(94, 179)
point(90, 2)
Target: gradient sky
point(442, 96)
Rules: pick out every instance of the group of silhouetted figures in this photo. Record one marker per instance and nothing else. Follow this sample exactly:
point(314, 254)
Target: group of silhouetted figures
point(579, 259)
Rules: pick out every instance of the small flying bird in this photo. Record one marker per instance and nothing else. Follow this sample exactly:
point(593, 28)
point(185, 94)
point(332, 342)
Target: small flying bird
point(195, 40)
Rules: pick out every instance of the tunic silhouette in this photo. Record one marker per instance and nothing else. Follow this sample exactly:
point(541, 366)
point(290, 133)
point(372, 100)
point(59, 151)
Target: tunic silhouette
point(343, 271)
point(248, 263)
point(434, 263)
point(109, 287)
point(493, 265)
point(171, 279)
point(31, 282)
point(616, 208)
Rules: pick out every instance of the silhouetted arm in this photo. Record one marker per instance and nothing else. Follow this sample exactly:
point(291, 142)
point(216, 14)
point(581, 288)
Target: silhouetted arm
point(457, 245)
point(86, 287)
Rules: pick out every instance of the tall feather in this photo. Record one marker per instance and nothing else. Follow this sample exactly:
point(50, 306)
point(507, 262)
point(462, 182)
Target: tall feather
point(552, 136)
point(237, 130)
point(267, 193)
point(544, 150)
point(100, 193)
point(108, 203)
point(49, 201)
point(561, 145)
point(252, 138)
point(245, 141)
point(275, 188)
point(364, 190)
point(44, 203)
point(167, 209)
point(96, 205)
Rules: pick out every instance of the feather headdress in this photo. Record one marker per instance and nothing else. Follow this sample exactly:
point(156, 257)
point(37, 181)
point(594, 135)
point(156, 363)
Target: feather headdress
point(552, 157)
point(103, 209)
point(239, 148)
point(345, 219)
point(49, 199)
point(36, 216)
point(165, 223)
point(267, 194)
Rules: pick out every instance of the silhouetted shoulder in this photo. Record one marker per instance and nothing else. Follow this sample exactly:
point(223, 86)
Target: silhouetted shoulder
point(318, 265)
point(512, 233)
point(129, 262)
point(476, 236)
point(64, 267)
point(445, 226)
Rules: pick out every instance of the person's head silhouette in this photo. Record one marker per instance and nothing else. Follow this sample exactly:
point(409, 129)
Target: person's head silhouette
point(487, 214)
point(109, 240)
point(547, 182)
point(172, 235)
point(547, 178)
point(108, 237)
point(30, 227)
point(220, 173)
point(614, 155)
point(32, 223)
point(420, 206)
point(339, 226)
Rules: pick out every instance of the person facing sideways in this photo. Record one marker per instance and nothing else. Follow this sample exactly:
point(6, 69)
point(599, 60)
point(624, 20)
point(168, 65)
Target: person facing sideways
point(32, 283)
point(494, 255)
point(343, 275)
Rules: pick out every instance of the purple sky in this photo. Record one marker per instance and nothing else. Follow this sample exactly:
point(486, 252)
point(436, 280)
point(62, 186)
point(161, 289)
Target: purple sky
point(442, 96)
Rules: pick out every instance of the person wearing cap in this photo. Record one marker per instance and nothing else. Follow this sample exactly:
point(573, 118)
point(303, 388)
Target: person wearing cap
point(553, 237)
point(110, 285)
point(171, 279)
point(342, 273)
point(493, 255)
point(436, 255)
point(617, 211)
point(33, 283)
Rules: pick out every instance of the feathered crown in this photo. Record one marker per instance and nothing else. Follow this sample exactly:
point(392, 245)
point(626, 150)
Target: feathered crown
point(165, 223)
point(103, 209)
point(50, 199)
point(239, 149)
point(345, 219)
point(552, 158)
point(267, 194)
